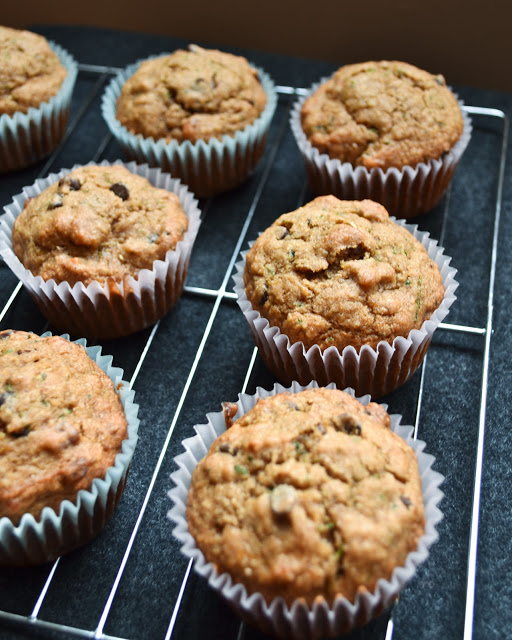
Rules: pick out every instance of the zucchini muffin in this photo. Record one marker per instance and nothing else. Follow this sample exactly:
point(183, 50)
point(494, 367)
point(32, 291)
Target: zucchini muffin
point(36, 83)
point(339, 273)
point(201, 114)
point(102, 249)
point(302, 496)
point(97, 222)
point(61, 423)
point(307, 495)
point(31, 73)
point(382, 114)
point(338, 292)
point(383, 130)
point(191, 95)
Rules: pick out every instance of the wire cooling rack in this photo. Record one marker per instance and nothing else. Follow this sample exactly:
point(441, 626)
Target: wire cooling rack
point(132, 582)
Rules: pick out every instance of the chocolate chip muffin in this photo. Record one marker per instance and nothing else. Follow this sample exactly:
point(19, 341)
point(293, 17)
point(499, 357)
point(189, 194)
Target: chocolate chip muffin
point(341, 273)
point(382, 114)
point(30, 73)
point(95, 223)
point(307, 495)
point(192, 95)
point(61, 423)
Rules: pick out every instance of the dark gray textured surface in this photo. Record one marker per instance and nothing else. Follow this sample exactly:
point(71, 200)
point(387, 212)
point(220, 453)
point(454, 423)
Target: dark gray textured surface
point(432, 605)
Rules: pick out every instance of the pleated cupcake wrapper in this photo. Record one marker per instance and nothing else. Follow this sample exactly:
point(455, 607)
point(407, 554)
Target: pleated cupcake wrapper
point(76, 523)
point(300, 621)
point(207, 167)
point(404, 192)
point(375, 371)
point(113, 309)
point(25, 138)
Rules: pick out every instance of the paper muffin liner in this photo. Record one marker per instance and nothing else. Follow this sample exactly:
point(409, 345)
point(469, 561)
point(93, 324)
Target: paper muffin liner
point(113, 309)
point(405, 192)
point(300, 621)
point(207, 167)
point(76, 523)
point(374, 371)
point(25, 138)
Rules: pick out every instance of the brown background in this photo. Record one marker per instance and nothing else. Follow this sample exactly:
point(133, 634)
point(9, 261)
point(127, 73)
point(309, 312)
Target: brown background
point(469, 42)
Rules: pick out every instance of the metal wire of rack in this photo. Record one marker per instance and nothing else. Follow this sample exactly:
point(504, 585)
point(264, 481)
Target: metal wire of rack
point(30, 618)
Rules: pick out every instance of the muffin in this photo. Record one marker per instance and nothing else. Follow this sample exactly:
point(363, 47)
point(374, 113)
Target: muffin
point(382, 130)
point(191, 95)
point(307, 495)
point(307, 512)
point(339, 278)
point(96, 223)
point(103, 249)
point(202, 114)
point(63, 428)
point(36, 82)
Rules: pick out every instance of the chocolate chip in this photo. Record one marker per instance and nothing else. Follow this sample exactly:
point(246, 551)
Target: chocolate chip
point(284, 234)
point(352, 253)
point(406, 501)
point(264, 296)
point(226, 448)
point(20, 434)
point(347, 423)
point(3, 397)
point(6, 333)
point(120, 190)
point(56, 202)
point(73, 183)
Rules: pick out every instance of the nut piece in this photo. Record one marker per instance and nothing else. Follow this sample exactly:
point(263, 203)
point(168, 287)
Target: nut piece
point(229, 409)
point(282, 499)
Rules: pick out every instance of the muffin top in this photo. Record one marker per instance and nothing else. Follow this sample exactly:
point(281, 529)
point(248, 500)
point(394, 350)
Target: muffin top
point(30, 73)
point(191, 95)
point(97, 222)
point(382, 114)
point(61, 422)
point(308, 494)
point(338, 273)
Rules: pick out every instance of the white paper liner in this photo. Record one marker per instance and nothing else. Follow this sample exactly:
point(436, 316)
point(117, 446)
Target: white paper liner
point(374, 371)
point(300, 621)
point(53, 534)
point(28, 137)
point(112, 309)
point(208, 168)
point(404, 192)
